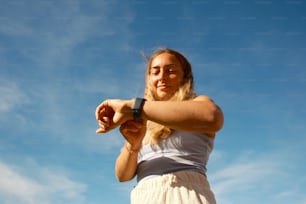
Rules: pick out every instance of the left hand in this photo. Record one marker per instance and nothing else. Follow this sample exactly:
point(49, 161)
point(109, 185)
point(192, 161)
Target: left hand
point(112, 113)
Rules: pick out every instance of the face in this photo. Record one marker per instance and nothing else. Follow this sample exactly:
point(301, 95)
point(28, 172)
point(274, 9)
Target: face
point(165, 75)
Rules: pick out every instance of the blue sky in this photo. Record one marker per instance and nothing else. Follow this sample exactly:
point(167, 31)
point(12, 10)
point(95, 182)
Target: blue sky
point(59, 59)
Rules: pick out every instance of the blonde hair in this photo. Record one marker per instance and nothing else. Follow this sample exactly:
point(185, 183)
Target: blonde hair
point(157, 131)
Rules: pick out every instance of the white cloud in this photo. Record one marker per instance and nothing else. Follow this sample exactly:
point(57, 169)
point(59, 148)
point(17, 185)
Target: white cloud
point(38, 185)
point(70, 24)
point(11, 96)
point(254, 174)
point(243, 175)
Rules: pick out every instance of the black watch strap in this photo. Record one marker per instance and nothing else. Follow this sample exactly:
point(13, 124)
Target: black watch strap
point(137, 108)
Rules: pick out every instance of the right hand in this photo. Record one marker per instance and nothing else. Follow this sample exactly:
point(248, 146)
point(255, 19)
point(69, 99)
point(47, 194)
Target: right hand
point(134, 132)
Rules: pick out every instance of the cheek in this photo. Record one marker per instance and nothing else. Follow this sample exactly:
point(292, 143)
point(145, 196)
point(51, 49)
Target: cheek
point(153, 81)
point(176, 79)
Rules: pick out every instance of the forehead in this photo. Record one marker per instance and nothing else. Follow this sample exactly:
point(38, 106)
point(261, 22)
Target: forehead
point(164, 59)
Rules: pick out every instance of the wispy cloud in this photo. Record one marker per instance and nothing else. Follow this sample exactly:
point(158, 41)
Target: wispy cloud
point(11, 96)
point(12, 102)
point(252, 174)
point(53, 40)
point(38, 184)
point(243, 175)
point(52, 35)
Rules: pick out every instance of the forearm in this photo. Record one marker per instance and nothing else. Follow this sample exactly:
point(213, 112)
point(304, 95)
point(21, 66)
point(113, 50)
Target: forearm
point(201, 115)
point(126, 164)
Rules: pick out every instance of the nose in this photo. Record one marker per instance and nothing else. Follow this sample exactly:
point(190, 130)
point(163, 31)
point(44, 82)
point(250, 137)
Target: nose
point(162, 75)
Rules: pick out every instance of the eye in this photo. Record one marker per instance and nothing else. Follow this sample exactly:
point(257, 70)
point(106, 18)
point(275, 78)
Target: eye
point(154, 71)
point(171, 70)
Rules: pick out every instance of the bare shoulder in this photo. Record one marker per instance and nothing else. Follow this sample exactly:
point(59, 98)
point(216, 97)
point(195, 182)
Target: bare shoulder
point(203, 98)
point(207, 100)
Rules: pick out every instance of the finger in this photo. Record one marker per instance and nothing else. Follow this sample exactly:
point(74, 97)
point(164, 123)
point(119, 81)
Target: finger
point(123, 129)
point(133, 123)
point(101, 125)
point(100, 108)
point(103, 128)
point(105, 121)
point(138, 124)
point(100, 130)
point(130, 127)
point(133, 130)
point(129, 131)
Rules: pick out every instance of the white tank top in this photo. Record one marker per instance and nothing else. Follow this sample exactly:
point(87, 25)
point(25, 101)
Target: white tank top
point(180, 151)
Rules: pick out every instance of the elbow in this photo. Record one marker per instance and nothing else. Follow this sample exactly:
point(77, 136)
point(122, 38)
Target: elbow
point(215, 121)
point(120, 179)
point(217, 126)
point(123, 178)
point(218, 120)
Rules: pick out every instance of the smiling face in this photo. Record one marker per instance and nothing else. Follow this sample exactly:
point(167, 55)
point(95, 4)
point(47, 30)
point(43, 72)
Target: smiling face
point(165, 76)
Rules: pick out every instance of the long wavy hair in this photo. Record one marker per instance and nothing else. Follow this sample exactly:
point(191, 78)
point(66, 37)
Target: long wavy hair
point(186, 91)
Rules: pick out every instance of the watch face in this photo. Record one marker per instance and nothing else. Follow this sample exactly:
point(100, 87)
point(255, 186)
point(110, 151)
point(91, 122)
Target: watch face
point(137, 108)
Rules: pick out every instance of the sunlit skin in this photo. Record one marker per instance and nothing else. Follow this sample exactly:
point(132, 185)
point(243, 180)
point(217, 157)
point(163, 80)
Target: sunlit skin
point(165, 76)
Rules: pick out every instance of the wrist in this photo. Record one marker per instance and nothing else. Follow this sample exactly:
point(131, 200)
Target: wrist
point(131, 149)
point(127, 109)
point(137, 108)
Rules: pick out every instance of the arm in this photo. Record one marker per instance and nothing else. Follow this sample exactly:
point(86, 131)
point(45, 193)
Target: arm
point(200, 114)
point(126, 163)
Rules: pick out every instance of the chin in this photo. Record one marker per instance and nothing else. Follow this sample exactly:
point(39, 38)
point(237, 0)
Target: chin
point(164, 97)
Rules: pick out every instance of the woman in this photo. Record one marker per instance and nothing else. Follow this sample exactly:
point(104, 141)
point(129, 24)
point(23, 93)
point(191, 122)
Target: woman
point(169, 134)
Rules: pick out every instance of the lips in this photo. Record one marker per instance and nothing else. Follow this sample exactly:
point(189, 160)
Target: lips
point(162, 86)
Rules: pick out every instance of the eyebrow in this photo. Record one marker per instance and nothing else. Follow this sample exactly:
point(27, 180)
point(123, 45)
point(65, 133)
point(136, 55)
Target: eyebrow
point(167, 65)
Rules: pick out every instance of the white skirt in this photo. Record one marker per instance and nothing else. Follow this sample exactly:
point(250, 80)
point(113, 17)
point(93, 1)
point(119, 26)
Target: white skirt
point(183, 187)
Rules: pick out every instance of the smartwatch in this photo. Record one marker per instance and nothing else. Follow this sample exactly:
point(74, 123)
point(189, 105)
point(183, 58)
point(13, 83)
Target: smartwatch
point(137, 108)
